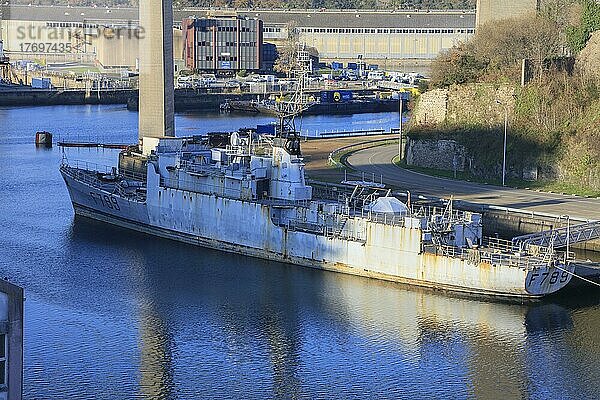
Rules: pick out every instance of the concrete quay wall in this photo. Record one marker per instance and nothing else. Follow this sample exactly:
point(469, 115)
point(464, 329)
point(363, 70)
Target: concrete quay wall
point(44, 97)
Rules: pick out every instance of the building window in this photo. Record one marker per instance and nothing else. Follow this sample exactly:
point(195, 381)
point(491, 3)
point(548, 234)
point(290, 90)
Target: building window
point(3, 351)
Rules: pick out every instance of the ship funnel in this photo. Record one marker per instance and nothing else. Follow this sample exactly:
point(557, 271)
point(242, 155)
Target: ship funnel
point(156, 86)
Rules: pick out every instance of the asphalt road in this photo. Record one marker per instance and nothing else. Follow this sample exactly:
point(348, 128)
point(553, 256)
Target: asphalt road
point(378, 161)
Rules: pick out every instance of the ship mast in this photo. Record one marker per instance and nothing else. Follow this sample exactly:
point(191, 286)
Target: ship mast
point(287, 111)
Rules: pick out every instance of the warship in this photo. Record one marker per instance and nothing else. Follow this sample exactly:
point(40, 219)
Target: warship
point(247, 193)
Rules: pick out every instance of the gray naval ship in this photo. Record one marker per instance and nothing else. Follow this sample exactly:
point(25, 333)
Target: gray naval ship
point(247, 193)
point(251, 197)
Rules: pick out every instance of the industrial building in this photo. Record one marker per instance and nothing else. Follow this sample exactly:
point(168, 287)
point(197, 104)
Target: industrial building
point(391, 39)
point(396, 39)
point(223, 43)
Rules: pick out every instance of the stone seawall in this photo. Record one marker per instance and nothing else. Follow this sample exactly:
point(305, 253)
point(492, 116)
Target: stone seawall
point(465, 105)
point(431, 108)
point(438, 154)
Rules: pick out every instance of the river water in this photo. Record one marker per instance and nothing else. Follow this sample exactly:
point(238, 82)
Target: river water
point(114, 314)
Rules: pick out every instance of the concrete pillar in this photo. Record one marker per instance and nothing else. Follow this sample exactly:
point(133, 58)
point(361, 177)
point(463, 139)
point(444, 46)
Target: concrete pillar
point(11, 325)
point(156, 115)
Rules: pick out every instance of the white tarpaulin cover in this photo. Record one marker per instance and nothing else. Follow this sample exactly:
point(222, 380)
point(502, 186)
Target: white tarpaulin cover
point(387, 205)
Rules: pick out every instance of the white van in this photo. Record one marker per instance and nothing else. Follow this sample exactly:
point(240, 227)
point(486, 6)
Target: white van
point(375, 75)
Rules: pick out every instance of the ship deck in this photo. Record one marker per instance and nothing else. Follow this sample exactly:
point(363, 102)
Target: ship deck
point(107, 181)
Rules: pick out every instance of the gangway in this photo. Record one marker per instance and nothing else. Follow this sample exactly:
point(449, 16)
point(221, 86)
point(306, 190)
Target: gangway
point(561, 237)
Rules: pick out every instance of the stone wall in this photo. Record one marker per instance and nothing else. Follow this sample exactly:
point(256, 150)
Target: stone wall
point(480, 106)
point(431, 108)
point(462, 105)
point(439, 154)
point(476, 104)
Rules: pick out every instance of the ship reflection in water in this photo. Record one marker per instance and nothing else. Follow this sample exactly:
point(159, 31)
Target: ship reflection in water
point(211, 324)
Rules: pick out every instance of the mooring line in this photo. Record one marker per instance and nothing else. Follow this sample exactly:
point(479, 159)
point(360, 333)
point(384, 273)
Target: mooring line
point(577, 276)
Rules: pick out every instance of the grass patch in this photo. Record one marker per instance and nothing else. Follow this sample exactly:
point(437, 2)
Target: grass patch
point(546, 186)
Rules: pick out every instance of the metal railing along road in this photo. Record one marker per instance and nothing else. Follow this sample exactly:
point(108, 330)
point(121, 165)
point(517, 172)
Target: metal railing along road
point(332, 158)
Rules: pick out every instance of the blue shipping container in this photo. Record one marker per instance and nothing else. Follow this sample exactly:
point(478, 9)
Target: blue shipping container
point(352, 66)
point(40, 83)
point(268, 129)
point(336, 96)
point(346, 95)
point(324, 96)
point(337, 65)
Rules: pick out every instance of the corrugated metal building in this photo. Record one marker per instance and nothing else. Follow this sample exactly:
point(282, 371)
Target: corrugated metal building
point(222, 44)
point(374, 35)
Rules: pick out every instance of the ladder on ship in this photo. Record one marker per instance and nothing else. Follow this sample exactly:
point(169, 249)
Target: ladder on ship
point(560, 237)
point(341, 225)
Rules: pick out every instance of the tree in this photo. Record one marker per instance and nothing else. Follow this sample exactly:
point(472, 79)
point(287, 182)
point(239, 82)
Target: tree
point(455, 66)
point(505, 43)
point(497, 49)
point(287, 54)
point(589, 21)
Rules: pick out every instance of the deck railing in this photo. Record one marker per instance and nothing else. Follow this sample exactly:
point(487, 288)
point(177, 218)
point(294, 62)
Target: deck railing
point(514, 259)
point(89, 173)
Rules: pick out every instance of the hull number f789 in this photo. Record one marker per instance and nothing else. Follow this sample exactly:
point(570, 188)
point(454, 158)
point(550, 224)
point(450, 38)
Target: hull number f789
point(105, 200)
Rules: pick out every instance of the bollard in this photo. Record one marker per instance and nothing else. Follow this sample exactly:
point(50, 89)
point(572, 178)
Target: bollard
point(43, 139)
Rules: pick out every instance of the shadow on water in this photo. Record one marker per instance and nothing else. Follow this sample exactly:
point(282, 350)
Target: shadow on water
point(285, 331)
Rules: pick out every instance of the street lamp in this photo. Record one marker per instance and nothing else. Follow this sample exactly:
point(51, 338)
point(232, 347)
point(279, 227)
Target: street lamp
point(400, 130)
point(505, 134)
point(568, 218)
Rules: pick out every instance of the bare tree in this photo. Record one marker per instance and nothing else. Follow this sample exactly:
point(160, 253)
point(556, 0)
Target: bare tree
point(504, 43)
point(287, 54)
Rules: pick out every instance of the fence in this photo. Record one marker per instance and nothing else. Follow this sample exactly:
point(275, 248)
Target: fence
point(335, 156)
